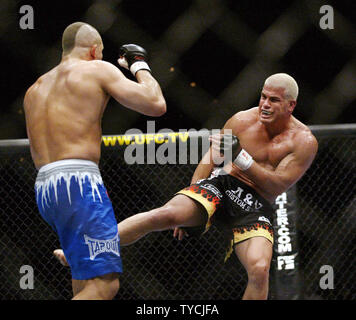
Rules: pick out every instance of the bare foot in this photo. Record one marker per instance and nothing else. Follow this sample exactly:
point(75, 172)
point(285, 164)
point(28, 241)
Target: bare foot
point(59, 254)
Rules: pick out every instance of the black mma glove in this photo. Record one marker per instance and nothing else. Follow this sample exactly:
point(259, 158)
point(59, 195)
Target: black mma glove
point(229, 145)
point(133, 58)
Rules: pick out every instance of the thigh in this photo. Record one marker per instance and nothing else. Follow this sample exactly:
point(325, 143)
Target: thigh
point(78, 285)
point(87, 230)
point(203, 197)
point(256, 250)
point(188, 212)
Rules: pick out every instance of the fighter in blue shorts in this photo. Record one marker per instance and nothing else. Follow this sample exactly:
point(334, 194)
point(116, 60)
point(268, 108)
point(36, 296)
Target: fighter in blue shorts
point(63, 110)
point(71, 197)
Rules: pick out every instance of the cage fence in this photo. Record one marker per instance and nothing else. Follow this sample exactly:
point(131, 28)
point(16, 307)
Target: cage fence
point(161, 267)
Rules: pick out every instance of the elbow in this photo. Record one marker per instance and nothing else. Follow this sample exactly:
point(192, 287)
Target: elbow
point(161, 110)
point(158, 109)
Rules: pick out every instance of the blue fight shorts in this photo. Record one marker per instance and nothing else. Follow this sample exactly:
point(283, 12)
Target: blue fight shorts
point(71, 197)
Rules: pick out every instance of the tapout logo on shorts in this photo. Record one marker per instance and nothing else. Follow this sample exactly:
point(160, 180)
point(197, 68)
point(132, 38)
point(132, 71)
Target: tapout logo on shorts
point(97, 246)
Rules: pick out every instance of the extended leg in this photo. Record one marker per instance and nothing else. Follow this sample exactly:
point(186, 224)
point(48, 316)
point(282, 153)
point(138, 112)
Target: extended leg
point(179, 211)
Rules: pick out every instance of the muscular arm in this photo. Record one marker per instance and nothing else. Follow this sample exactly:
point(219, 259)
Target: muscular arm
point(144, 96)
point(206, 165)
point(204, 168)
point(289, 170)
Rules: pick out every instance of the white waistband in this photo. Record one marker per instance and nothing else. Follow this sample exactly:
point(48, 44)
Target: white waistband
point(67, 162)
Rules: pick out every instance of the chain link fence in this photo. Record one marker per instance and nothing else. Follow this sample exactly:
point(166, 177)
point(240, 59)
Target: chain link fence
point(327, 217)
point(161, 267)
point(210, 54)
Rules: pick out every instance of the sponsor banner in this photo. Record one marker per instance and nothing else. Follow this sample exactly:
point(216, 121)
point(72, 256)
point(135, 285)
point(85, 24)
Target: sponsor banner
point(286, 280)
point(163, 136)
point(147, 138)
point(162, 147)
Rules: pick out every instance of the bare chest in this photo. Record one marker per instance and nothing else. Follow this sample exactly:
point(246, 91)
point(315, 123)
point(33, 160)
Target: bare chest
point(265, 150)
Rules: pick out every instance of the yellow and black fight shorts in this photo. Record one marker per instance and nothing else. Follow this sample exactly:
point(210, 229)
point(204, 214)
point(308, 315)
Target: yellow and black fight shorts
point(233, 207)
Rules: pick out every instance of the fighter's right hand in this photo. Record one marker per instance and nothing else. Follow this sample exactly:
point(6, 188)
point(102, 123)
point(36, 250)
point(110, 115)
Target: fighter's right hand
point(225, 147)
point(133, 58)
point(228, 145)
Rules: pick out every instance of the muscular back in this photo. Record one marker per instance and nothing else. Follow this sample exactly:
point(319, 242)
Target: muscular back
point(63, 110)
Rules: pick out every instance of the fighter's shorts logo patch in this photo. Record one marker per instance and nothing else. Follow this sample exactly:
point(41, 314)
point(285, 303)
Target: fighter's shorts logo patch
point(262, 218)
point(97, 246)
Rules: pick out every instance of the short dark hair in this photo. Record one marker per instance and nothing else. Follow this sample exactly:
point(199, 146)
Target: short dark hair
point(69, 34)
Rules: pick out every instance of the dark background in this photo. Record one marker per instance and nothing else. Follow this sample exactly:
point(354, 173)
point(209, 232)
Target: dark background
point(210, 57)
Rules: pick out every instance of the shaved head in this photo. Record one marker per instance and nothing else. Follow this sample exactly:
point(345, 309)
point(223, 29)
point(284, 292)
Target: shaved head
point(79, 34)
point(285, 81)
